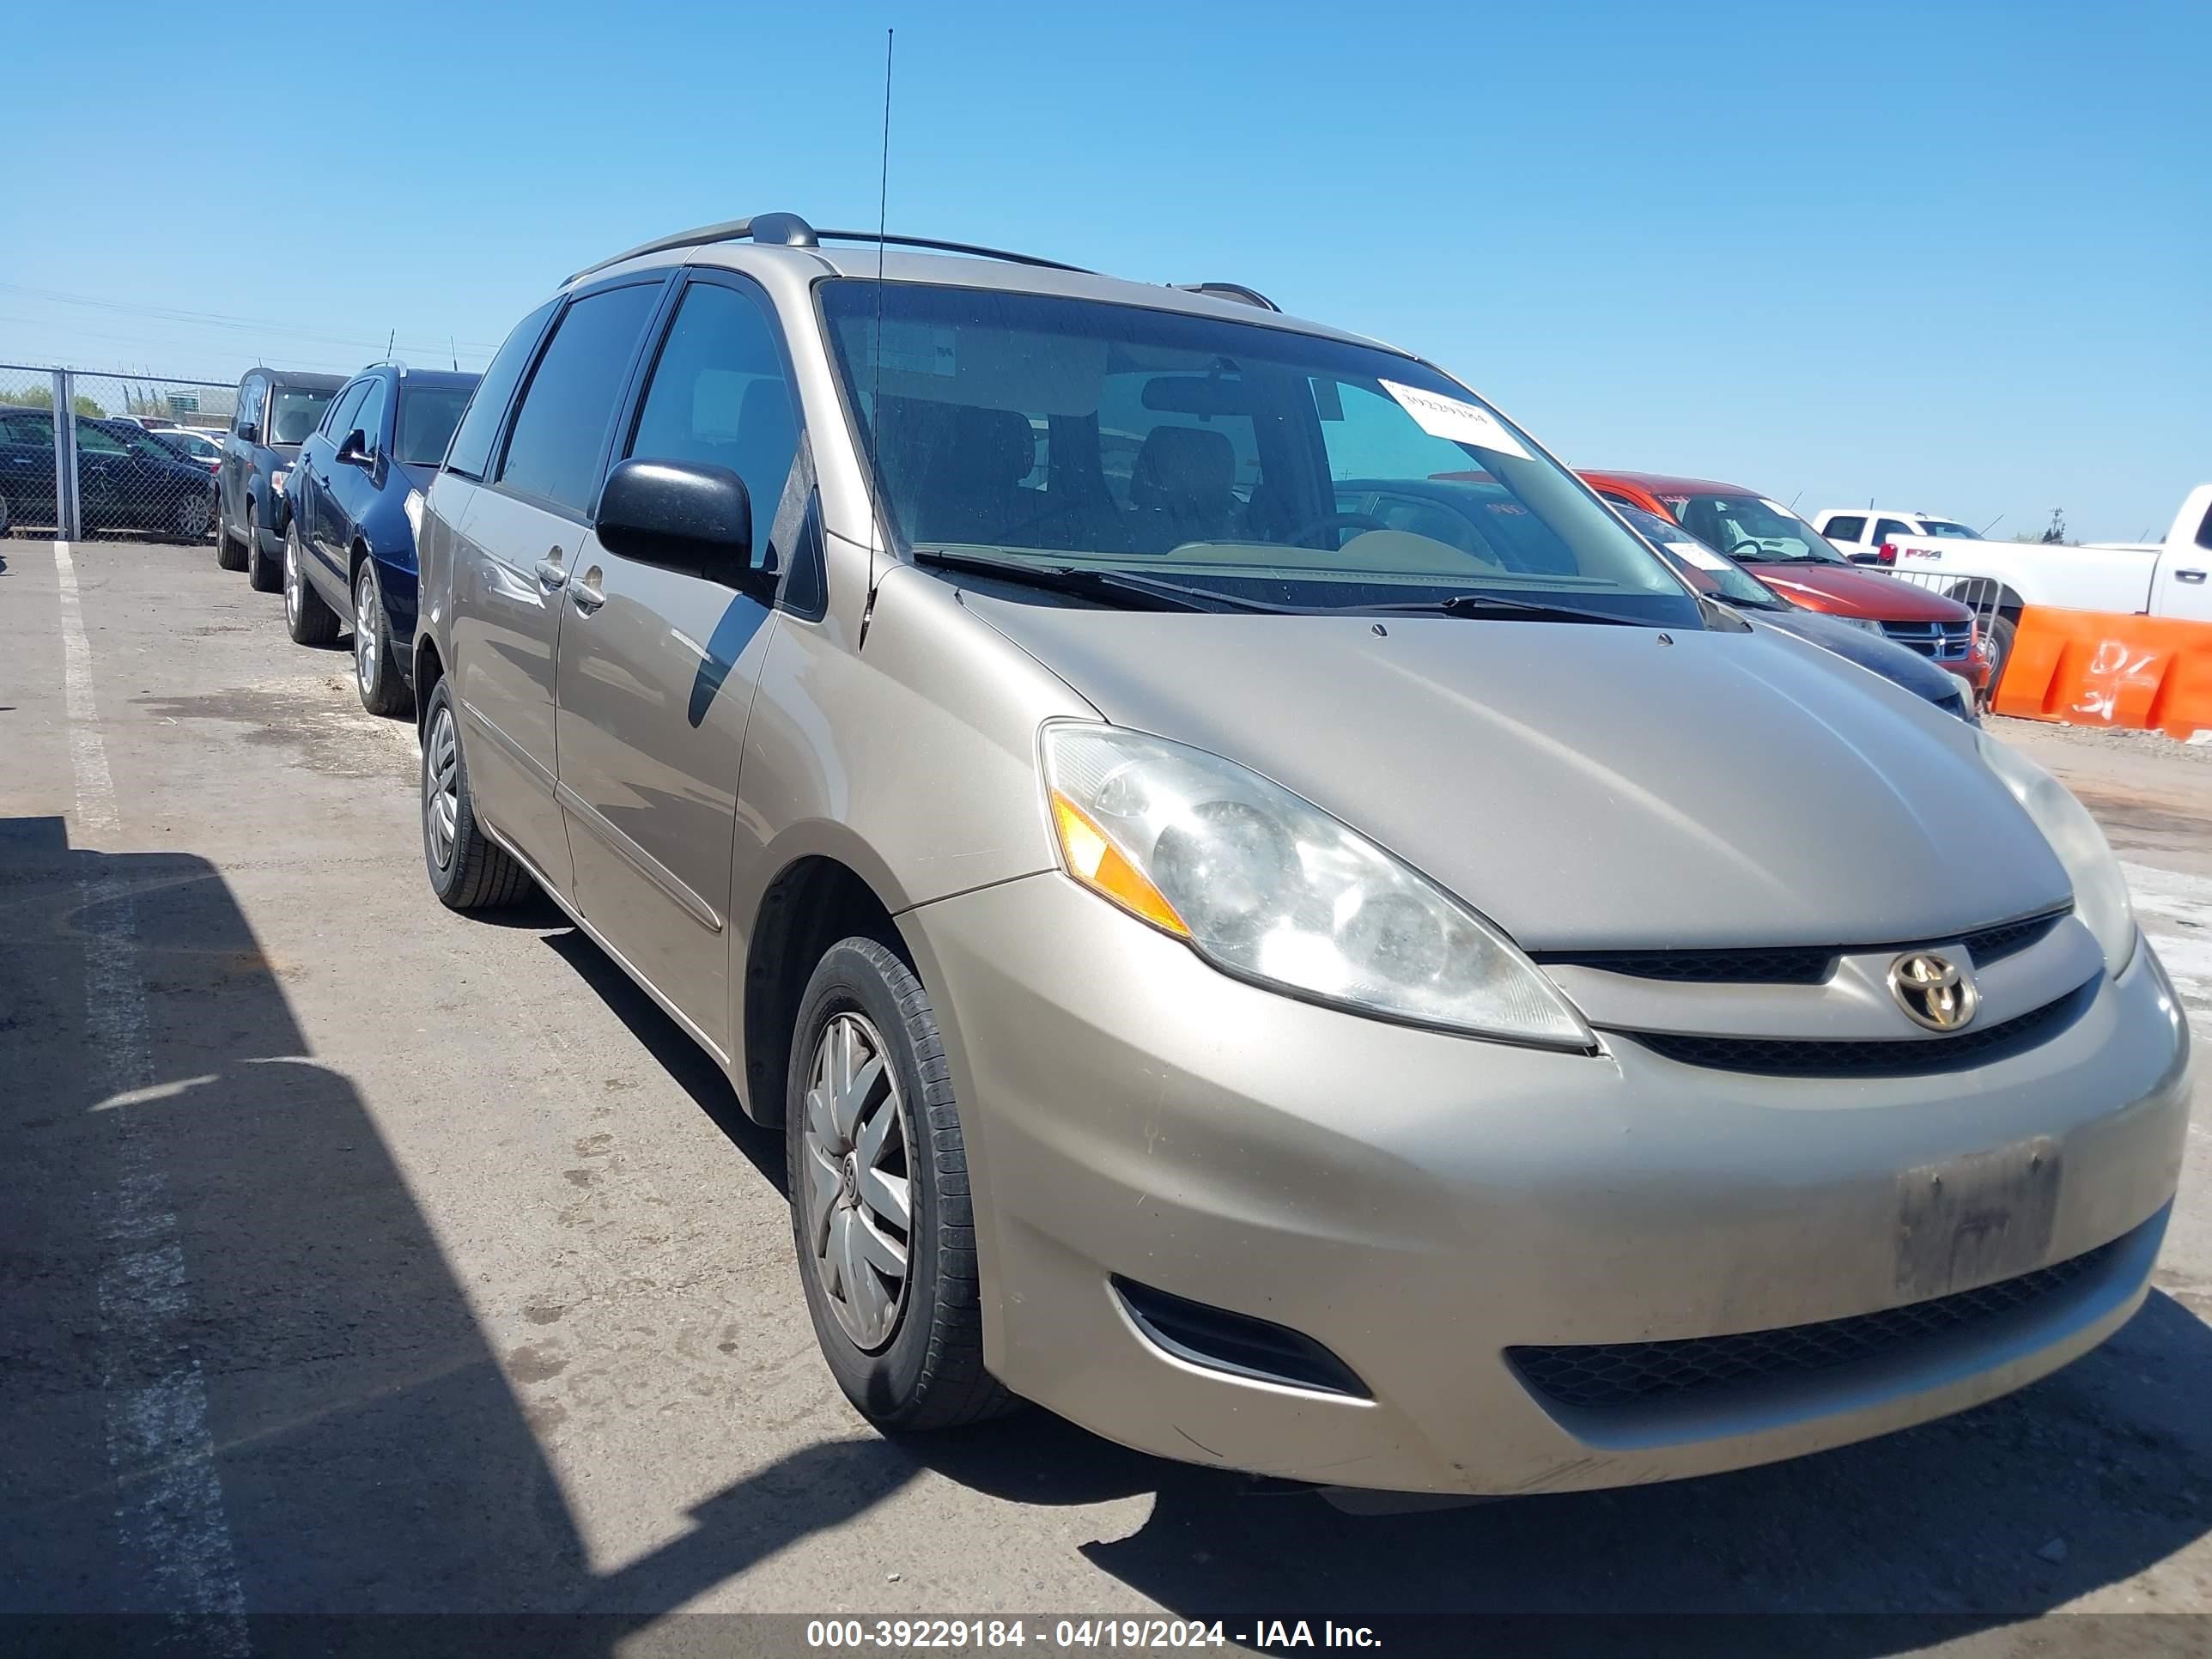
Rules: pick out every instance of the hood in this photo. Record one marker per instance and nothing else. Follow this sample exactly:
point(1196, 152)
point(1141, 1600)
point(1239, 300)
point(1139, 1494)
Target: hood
point(417, 475)
point(1893, 661)
point(285, 452)
point(1586, 786)
point(1855, 593)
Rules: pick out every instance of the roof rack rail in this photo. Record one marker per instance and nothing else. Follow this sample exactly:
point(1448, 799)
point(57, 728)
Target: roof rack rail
point(789, 230)
point(1236, 291)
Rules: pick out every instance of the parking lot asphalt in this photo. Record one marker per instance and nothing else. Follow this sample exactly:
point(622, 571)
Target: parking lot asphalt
point(359, 1256)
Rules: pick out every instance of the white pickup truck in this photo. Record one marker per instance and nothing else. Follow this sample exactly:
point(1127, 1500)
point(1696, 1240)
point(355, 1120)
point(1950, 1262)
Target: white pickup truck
point(2171, 578)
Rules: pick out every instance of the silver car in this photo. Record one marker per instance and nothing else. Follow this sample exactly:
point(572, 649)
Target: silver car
point(1280, 989)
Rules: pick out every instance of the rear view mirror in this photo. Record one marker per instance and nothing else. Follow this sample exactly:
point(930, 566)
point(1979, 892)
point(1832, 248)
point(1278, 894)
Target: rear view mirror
point(1187, 394)
point(683, 515)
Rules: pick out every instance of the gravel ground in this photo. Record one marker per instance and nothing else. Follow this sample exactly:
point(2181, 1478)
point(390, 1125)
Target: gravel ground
point(359, 1257)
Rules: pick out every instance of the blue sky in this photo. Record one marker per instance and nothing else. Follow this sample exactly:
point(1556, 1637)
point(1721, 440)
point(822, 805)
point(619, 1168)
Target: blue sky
point(1956, 256)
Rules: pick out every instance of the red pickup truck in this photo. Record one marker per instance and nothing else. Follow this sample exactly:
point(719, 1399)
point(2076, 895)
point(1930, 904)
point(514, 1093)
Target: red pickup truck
point(1786, 553)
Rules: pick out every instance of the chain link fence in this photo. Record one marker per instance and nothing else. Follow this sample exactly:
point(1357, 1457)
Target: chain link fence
point(86, 455)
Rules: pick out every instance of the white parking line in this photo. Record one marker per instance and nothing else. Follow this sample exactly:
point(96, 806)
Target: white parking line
point(168, 1504)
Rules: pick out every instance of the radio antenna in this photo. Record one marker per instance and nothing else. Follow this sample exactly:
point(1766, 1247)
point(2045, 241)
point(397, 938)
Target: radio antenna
point(388, 339)
point(876, 347)
point(454, 352)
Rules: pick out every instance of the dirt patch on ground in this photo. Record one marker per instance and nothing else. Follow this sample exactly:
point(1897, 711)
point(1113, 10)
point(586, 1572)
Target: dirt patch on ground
point(319, 717)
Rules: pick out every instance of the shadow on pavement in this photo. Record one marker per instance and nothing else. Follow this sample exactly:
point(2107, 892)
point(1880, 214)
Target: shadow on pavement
point(372, 1457)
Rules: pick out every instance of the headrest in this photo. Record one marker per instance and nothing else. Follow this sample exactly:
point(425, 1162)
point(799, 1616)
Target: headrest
point(1183, 467)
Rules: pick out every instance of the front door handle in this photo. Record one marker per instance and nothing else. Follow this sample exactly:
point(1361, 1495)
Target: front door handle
point(2189, 575)
point(549, 574)
point(585, 593)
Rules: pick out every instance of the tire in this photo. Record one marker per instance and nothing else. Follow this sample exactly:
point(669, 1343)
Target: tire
point(7, 519)
point(230, 552)
point(260, 576)
point(925, 1370)
point(188, 520)
point(474, 873)
point(2001, 637)
point(307, 618)
point(375, 669)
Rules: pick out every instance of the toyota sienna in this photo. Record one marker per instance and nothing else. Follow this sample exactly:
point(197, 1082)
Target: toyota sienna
point(1278, 989)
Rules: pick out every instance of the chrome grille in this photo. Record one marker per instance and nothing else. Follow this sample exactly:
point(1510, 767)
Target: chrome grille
point(1945, 642)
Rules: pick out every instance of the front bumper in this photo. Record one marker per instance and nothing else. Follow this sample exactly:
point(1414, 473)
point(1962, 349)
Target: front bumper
point(1418, 1204)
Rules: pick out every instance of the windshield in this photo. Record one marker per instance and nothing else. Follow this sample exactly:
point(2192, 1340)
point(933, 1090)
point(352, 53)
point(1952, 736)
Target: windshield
point(1271, 467)
point(1944, 530)
point(295, 412)
point(1698, 565)
point(427, 416)
point(1754, 529)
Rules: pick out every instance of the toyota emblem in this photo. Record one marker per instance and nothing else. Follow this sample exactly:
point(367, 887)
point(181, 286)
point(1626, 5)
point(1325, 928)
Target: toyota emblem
point(1933, 991)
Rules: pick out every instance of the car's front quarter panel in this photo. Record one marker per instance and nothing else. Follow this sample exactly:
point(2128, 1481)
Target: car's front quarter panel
point(911, 758)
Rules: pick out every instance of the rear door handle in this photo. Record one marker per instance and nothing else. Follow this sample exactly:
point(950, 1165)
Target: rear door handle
point(550, 574)
point(2189, 575)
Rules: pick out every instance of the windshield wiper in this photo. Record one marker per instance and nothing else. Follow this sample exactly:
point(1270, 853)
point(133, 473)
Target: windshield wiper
point(1124, 588)
point(1483, 605)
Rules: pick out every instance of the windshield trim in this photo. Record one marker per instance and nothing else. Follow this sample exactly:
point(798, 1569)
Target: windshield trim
point(885, 533)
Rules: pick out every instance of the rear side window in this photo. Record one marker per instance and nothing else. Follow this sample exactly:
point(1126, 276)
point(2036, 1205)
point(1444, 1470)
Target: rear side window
point(1887, 530)
point(1849, 529)
point(470, 453)
point(561, 428)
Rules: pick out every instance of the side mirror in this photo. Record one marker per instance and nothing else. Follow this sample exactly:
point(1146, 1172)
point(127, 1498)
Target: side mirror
point(249, 433)
point(353, 452)
point(684, 515)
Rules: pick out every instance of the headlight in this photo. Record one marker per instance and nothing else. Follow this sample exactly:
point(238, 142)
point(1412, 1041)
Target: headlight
point(1269, 888)
point(276, 476)
point(1867, 622)
point(413, 509)
point(2100, 892)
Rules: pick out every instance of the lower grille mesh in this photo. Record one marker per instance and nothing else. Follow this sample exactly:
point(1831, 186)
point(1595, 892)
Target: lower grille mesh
point(1617, 1374)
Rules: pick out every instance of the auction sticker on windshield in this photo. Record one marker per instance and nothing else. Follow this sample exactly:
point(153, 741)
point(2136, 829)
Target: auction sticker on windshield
point(1699, 554)
point(1460, 423)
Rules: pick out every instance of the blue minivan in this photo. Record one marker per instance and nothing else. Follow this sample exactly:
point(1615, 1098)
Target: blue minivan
point(354, 500)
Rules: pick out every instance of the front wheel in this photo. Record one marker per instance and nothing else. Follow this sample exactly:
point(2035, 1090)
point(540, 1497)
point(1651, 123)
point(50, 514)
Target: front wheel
point(229, 551)
point(375, 669)
point(879, 1202)
point(307, 618)
point(261, 574)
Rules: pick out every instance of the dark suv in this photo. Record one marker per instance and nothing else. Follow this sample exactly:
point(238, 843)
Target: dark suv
point(276, 410)
point(351, 505)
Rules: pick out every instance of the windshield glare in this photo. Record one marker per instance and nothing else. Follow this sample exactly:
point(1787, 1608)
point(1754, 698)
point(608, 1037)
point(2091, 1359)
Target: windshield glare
point(1265, 464)
point(1754, 529)
point(427, 416)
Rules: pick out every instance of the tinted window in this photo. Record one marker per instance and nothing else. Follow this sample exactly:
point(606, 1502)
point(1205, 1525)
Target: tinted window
point(470, 453)
point(251, 391)
point(36, 428)
point(561, 428)
point(427, 416)
point(1886, 529)
point(294, 413)
point(93, 441)
point(339, 421)
point(718, 395)
point(369, 418)
point(1846, 530)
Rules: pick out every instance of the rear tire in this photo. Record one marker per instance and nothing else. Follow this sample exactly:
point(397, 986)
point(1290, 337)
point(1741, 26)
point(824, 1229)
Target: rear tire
point(2001, 637)
point(188, 521)
point(230, 552)
point(925, 1369)
point(468, 870)
point(307, 617)
point(260, 576)
point(375, 669)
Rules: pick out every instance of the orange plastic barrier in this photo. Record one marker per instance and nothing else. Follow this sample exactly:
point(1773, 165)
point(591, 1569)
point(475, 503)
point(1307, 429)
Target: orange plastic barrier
point(2104, 668)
